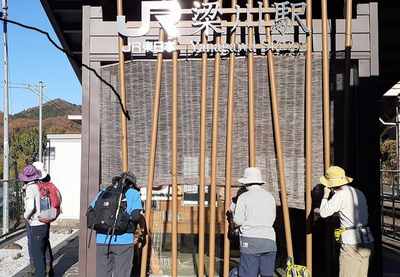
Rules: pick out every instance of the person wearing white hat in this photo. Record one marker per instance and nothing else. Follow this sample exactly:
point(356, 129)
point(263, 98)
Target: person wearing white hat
point(45, 175)
point(255, 213)
point(354, 234)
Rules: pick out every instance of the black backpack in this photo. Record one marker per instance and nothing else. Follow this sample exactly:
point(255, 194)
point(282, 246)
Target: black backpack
point(108, 214)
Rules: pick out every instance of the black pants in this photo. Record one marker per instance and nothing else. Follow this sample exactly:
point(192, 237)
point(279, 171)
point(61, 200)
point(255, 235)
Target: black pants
point(39, 243)
point(116, 261)
point(49, 253)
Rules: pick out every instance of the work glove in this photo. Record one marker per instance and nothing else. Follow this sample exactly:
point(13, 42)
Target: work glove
point(327, 192)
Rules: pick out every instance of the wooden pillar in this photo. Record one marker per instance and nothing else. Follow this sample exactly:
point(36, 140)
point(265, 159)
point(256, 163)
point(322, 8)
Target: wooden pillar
point(346, 79)
point(325, 85)
point(122, 93)
point(90, 171)
point(229, 130)
point(152, 158)
point(308, 152)
point(278, 141)
point(250, 80)
point(214, 151)
point(174, 163)
point(202, 162)
point(349, 14)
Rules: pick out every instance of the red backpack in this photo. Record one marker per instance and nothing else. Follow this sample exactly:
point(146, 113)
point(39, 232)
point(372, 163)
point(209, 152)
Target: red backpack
point(50, 202)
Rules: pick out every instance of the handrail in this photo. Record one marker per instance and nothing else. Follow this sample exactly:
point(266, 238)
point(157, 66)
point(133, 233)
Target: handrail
point(11, 234)
point(9, 180)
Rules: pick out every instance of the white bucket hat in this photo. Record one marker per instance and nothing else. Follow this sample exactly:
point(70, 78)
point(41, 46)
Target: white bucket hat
point(252, 175)
point(40, 166)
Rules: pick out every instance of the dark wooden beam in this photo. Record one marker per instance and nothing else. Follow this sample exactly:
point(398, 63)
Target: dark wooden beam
point(57, 26)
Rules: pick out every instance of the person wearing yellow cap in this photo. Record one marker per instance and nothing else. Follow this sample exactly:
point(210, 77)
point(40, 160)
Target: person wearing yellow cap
point(354, 234)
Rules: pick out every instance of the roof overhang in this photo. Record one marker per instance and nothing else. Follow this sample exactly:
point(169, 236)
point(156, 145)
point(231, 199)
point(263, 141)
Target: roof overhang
point(66, 18)
point(75, 118)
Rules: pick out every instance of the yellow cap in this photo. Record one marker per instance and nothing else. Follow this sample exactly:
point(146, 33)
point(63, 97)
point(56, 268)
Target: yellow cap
point(335, 177)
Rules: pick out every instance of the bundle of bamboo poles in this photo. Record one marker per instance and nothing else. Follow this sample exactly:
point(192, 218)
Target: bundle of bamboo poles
point(251, 126)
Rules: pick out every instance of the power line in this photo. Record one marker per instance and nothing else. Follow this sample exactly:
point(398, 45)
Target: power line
point(31, 88)
point(66, 52)
point(51, 102)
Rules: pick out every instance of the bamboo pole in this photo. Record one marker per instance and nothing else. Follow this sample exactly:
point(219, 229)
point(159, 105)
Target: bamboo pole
point(174, 163)
point(349, 14)
point(325, 84)
point(309, 137)
point(347, 71)
point(122, 88)
point(152, 158)
point(202, 166)
point(228, 163)
point(213, 187)
point(278, 142)
point(250, 80)
point(214, 150)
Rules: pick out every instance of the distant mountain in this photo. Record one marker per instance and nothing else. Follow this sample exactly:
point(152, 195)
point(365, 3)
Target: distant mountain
point(23, 130)
point(55, 119)
point(53, 108)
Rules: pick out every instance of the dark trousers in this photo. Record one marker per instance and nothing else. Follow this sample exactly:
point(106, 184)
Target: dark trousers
point(39, 244)
point(253, 264)
point(29, 236)
point(117, 262)
point(49, 252)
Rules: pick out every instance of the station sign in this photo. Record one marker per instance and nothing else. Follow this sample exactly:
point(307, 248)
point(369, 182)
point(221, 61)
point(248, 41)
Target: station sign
point(209, 21)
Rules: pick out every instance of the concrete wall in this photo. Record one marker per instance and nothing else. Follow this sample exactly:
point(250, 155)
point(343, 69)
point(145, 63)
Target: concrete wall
point(64, 166)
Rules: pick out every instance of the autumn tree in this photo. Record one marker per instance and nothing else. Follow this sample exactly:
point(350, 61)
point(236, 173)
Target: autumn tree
point(24, 149)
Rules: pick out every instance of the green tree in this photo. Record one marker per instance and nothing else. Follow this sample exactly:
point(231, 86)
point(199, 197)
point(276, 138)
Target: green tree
point(24, 149)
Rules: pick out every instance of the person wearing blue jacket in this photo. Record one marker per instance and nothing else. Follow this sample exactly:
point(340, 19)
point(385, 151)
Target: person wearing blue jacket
point(114, 257)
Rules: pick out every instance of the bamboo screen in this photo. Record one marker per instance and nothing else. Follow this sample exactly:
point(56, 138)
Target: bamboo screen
point(140, 74)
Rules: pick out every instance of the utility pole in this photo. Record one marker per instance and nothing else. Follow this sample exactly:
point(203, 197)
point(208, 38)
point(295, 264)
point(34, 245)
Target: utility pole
point(5, 119)
point(38, 90)
point(41, 87)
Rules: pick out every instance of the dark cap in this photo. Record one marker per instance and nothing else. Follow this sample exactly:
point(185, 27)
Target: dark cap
point(128, 178)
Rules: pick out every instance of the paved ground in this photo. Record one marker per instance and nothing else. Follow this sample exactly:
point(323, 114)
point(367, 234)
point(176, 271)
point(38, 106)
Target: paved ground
point(14, 256)
point(66, 259)
point(67, 262)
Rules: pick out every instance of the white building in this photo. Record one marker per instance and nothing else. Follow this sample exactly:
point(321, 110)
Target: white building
point(63, 161)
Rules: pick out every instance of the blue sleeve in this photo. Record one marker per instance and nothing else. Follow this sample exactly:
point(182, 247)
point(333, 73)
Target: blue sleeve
point(133, 201)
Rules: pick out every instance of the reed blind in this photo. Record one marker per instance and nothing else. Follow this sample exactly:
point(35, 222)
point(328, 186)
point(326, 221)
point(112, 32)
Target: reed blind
point(140, 74)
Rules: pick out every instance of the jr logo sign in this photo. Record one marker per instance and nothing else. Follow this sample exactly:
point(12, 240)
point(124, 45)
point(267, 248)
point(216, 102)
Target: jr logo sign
point(210, 19)
point(168, 13)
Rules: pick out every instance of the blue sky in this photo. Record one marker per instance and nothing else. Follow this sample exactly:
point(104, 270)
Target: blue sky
point(32, 58)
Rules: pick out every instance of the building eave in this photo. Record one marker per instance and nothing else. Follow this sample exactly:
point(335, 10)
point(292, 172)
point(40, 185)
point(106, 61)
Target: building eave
point(67, 28)
point(63, 136)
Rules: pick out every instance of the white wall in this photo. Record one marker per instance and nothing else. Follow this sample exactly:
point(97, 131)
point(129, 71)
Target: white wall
point(65, 171)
